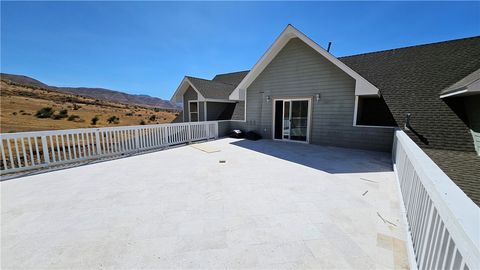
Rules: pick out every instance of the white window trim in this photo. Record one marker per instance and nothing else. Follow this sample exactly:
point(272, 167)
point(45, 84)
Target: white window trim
point(355, 112)
point(190, 111)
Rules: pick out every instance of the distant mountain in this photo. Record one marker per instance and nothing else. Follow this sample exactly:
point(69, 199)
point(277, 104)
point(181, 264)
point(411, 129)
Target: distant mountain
point(97, 93)
point(23, 80)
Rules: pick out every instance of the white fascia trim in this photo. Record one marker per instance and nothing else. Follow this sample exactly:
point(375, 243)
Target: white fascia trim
point(362, 86)
point(470, 90)
point(178, 95)
point(454, 93)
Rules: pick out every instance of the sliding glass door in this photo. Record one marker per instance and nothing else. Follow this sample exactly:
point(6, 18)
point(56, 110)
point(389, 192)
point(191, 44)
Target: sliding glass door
point(291, 119)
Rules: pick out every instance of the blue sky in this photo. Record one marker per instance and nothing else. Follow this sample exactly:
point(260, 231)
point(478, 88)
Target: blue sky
point(147, 47)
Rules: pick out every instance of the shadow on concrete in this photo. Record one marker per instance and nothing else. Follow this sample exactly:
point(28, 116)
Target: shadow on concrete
point(325, 158)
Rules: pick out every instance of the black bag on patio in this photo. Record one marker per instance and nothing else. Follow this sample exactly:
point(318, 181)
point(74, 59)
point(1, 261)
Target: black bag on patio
point(253, 136)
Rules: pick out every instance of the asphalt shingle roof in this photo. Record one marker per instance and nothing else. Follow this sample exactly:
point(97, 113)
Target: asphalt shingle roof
point(233, 78)
point(410, 80)
point(220, 87)
point(211, 89)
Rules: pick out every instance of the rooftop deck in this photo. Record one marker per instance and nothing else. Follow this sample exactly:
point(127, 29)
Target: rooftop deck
point(270, 205)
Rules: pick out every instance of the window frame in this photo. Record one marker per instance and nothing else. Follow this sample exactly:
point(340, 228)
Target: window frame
point(190, 111)
point(355, 116)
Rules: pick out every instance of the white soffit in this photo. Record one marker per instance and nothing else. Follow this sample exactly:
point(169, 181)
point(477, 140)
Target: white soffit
point(362, 86)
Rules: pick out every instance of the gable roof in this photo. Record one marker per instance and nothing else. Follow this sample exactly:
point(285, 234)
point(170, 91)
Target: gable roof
point(362, 86)
point(212, 89)
point(219, 88)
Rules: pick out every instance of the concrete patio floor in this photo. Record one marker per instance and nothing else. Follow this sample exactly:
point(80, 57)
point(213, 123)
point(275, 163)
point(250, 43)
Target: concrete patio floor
point(271, 205)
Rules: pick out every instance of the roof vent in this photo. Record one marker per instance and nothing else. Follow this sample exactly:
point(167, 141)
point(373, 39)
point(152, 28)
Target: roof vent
point(329, 45)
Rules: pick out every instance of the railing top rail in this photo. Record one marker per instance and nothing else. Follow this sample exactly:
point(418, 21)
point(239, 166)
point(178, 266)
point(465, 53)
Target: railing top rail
point(460, 213)
point(87, 130)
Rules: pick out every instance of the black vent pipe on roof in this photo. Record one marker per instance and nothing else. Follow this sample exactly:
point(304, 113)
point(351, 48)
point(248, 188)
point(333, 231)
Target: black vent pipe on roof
point(329, 45)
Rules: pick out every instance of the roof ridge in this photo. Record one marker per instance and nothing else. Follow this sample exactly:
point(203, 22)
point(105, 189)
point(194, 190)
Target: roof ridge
point(197, 78)
point(228, 73)
point(408, 47)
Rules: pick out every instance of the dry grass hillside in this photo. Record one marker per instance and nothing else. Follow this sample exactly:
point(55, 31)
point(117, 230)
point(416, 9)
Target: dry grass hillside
point(20, 104)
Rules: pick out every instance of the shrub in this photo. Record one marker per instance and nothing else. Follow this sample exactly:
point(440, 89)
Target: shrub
point(73, 117)
point(62, 114)
point(46, 112)
point(157, 109)
point(129, 114)
point(76, 107)
point(14, 113)
point(94, 120)
point(113, 119)
point(152, 118)
point(21, 111)
point(142, 122)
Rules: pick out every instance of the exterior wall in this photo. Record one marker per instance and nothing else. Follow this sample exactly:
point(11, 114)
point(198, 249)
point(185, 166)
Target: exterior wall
point(473, 114)
point(223, 128)
point(299, 71)
point(190, 94)
point(201, 111)
point(239, 112)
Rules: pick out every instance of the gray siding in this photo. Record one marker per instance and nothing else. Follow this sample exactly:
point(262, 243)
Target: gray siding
point(201, 111)
point(473, 114)
point(223, 128)
point(239, 111)
point(299, 71)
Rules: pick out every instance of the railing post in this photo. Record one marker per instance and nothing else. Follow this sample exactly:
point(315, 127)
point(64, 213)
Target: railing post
point(207, 130)
point(97, 142)
point(46, 155)
point(189, 133)
point(137, 140)
point(216, 129)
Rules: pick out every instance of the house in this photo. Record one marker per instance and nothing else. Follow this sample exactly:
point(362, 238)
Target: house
point(280, 205)
point(299, 92)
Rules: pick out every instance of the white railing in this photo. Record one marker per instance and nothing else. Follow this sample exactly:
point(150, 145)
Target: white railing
point(444, 223)
point(29, 150)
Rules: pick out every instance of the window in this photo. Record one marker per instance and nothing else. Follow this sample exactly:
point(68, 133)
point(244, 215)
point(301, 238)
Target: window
point(373, 111)
point(193, 109)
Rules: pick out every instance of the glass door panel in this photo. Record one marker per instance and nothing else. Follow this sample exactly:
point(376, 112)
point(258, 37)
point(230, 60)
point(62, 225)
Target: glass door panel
point(299, 120)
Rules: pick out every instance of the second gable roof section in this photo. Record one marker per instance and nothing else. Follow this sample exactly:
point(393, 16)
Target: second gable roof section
point(182, 88)
point(362, 86)
point(206, 89)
